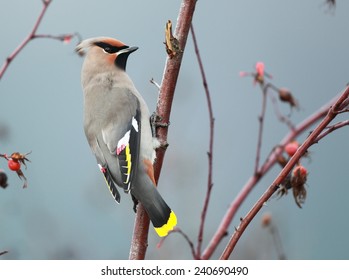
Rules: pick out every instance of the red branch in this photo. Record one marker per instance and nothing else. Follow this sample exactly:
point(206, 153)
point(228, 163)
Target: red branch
point(32, 35)
point(166, 93)
point(312, 138)
point(210, 152)
point(252, 181)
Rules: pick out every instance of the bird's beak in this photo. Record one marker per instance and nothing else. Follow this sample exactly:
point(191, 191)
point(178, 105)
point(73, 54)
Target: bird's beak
point(127, 50)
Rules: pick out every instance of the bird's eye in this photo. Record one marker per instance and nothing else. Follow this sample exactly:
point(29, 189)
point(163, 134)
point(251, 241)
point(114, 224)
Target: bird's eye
point(108, 49)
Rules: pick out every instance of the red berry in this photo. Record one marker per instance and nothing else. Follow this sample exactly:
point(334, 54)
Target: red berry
point(13, 165)
point(291, 148)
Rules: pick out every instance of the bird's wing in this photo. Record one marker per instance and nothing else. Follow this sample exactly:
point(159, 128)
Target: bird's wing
point(121, 136)
point(104, 168)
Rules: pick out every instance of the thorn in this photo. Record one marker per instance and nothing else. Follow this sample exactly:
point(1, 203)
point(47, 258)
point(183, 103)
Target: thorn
point(155, 83)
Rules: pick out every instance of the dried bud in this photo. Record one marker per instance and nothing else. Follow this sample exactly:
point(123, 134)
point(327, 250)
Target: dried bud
point(67, 39)
point(260, 68)
point(259, 76)
point(18, 157)
point(21, 176)
point(281, 160)
point(172, 43)
point(284, 186)
point(286, 96)
point(266, 219)
point(3, 179)
point(291, 148)
point(301, 172)
point(298, 180)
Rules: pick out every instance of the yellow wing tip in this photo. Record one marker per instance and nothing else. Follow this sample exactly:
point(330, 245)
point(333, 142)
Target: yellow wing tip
point(166, 228)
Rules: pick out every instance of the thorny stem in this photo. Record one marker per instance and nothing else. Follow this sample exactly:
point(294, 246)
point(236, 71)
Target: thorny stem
point(331, 114)
point(210, 152)
point(166, 93)
point(222, 229)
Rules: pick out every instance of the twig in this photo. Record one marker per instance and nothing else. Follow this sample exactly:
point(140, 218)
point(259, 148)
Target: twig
point(267, 222)
point(185, 236)
point(331, 129)
point(279, 115)
point(163, 110)
point(331, 114)
point(277, 241)
point(210, 152)
point(155, 83)
point(32, 35)
point(260, 130)
point(63, 37)
point(252, 181)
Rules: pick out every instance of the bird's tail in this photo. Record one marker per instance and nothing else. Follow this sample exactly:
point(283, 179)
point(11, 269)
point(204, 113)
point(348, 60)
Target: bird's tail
point(160, 214)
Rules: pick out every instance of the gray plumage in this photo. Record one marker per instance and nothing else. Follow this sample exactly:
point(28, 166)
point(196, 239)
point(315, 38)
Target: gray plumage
point(115, 112)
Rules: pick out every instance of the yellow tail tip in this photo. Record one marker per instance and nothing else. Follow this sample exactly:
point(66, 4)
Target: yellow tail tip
point(166, 228)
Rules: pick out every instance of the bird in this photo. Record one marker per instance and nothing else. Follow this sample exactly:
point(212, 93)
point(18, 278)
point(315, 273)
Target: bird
point(118, 128)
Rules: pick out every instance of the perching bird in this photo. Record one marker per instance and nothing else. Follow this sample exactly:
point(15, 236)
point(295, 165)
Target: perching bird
point(118, 130)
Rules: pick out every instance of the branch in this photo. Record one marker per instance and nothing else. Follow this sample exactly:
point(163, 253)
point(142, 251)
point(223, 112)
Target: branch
point(163, 110)
point(252, 181)
point(210, 152)
point(331, 114)
point(32, 35)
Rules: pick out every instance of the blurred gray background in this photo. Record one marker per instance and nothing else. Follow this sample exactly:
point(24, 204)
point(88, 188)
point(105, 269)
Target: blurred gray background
point(67, 212)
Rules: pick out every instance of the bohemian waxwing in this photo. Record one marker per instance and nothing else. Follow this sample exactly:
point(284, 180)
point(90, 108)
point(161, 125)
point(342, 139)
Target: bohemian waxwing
point(118, 130)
